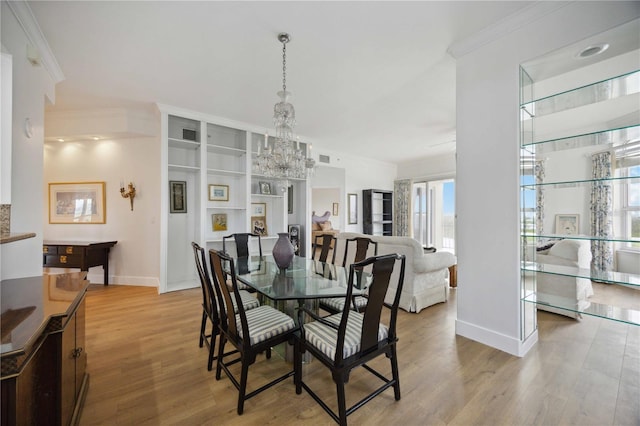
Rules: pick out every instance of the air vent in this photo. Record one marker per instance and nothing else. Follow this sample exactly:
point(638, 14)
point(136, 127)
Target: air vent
point(324, 159)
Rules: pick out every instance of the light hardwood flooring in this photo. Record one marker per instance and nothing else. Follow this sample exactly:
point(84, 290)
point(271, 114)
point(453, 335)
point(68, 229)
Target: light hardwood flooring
point(146, 368)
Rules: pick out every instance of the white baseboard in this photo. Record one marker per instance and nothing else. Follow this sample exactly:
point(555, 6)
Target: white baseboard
point(499, 341)
point(98, 278)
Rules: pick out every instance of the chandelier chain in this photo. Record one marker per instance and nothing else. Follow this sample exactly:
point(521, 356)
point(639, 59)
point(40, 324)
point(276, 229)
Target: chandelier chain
point(284, 67)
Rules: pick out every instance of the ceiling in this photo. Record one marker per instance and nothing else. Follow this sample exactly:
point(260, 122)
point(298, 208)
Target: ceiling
point(368, 78)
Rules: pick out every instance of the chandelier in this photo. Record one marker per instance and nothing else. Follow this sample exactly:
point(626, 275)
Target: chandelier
point(283, 159)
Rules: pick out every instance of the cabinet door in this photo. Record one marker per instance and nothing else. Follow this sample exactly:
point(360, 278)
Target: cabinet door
point(68, 371)
point(81, 354)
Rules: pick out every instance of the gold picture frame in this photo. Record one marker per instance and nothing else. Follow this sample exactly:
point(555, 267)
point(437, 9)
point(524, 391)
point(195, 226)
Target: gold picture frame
point(77, 203)
point(218, 192)
point(219, 221)
point(259, 219)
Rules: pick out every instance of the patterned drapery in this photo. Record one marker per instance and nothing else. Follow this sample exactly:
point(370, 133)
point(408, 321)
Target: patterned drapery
point(601, 212)
point(539, 171)
point(402, 207)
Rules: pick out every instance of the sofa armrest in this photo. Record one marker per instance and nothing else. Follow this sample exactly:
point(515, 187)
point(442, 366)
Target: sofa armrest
point(555, 260)
point(433, 261)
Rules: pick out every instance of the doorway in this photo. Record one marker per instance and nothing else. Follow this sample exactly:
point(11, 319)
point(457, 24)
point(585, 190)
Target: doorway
point(434, 214)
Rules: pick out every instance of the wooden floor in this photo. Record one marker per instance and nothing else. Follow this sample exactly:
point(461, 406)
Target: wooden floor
point(147, 369)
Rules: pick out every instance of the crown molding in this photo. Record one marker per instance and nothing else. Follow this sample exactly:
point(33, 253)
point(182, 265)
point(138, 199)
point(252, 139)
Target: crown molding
point(29, 24)
point(505, 26)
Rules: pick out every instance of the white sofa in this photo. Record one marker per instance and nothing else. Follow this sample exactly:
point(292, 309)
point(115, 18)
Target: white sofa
point(574, 253)
point(425, 276)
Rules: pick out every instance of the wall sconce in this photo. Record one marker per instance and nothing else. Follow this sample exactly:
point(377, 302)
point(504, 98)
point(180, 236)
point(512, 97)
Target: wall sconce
point(129, 193)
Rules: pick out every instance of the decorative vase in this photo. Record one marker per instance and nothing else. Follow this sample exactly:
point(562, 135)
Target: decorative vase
point(283, 251)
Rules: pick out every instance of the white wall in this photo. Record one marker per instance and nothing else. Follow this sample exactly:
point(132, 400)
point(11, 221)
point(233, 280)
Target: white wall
point(487, 175)
point(322, 200)
point(134, 260)
point(32, 86)
point(436, 167)
point(360, 173)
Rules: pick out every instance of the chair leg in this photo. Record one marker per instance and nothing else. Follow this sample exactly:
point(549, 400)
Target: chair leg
point(297, 366)
point(212, 346)
point(394, 372)
point(220, 355)
point(342, 404)
point(268, 353)
point(243, 386)
point(203, 325)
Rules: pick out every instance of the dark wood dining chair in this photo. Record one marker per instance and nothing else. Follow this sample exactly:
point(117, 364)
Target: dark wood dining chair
point(210, 312)
point(350, 339)
point(323, 245)
point(242, 240)
point(250, 332)
point(355, 250)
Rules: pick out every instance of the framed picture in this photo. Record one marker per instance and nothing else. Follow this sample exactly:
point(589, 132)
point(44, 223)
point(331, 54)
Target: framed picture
point(219, 221)
point(218, 192)
point(567, 224)
point(259, 225)
point(335, 209)
point(258, 209)
point(177, 196)
point(352, 205)
point(265, 188)
point(290, 200)
point(259, 219)
point(77, 202)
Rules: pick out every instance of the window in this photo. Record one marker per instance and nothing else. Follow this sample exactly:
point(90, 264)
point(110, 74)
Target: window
point(434, 214)
point(630, 209)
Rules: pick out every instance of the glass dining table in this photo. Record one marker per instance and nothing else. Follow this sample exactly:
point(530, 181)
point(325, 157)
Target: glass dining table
point(305, 282)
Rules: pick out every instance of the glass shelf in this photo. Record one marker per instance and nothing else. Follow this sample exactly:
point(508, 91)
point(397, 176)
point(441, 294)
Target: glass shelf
point(628, 316)
point(584, 182)
point(267, 195)
point(611, 88)
point(581, 237)
point(614, 137)
point(225, 208)
point(569, 271)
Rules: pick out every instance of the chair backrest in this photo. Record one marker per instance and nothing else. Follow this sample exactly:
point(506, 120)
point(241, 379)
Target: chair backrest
point(228, 319)
point(362, 245)
point(382, 268)
point(242, 241)
point(208, 296)
point(324, 242)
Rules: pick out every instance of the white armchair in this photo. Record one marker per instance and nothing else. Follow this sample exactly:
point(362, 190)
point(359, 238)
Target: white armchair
point(575, 253)
point(425, 276)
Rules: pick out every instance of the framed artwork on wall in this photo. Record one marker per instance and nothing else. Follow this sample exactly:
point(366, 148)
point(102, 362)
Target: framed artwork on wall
point(567, 224)
point(219, 221)
point(77, 202)
point(177, 196)
point(218, 192)
point(290, 199)
point(335, 209)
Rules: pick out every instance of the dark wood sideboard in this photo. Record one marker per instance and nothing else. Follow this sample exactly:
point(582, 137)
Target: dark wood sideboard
point(43, 361)
point(77, 254)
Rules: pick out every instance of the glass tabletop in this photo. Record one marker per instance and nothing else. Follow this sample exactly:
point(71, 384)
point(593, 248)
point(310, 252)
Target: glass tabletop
point(304, 279)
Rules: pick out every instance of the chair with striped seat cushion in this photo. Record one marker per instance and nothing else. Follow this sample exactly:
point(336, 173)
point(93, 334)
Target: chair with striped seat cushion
point(350, 339)
point(362, 248)
point(210, 311)
point(250, 332)
point(244, 248)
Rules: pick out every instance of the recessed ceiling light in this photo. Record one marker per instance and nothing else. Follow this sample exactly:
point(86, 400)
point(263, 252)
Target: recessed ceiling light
point(60, 140)
point(592, 50)
point(95, 138)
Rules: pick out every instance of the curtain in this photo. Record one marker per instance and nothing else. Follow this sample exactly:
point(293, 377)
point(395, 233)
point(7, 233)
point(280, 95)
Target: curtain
point(539, 171)
point(402, 207)
point(601, 212)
